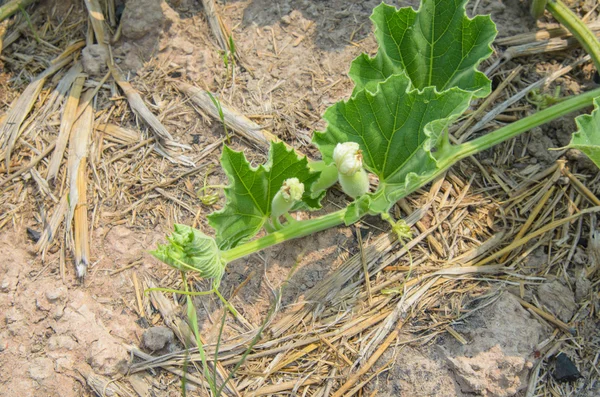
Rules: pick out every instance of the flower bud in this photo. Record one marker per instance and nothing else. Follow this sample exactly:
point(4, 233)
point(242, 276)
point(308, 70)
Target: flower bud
point(348, 158)
point(292, 189)
point(290, 192)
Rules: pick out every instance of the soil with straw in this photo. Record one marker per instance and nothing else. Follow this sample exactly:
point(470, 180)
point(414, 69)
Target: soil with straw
point(500, 276)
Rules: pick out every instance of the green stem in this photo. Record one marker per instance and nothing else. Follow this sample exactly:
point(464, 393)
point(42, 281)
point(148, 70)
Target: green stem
point(457, 153)
point(537, 8)
point(228, 305)
point(580, 30)
point(518, 127)
point(298, 229)
point(12, 7)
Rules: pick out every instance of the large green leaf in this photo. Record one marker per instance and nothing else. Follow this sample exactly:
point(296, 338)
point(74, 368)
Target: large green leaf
point(587, 137)
point(438, 46)
point(251, 192)
point(396, 129)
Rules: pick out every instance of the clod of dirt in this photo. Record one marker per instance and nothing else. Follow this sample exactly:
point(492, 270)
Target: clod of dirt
point(58, 342)
point(56, 294)
point(563, 129)
point(93, 58)
point(491, 373)
point(143, 22)
point(107, 357)
point(559, 299)
point(497, 359)
point(141, 18)
point(158, 338)
point(538, 147)
point(495, 362)
point(41, 368)
point(489, 328)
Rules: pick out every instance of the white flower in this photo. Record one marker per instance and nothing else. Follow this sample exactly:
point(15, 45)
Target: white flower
point(292, 189)
point(348, 158)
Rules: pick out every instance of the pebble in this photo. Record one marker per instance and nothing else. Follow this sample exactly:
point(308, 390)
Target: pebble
point(54, 295)
point(157, 338)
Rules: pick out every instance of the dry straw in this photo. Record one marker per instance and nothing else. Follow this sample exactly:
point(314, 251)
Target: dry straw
point(473, 236)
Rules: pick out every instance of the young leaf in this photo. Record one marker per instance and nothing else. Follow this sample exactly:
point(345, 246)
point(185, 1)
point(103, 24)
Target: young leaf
point(438, 45)
point(251, 192)
point(395, 127)
point(191, 250)
point(587, 137)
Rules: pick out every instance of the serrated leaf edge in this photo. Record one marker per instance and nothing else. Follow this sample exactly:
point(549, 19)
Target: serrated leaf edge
point(477, 93)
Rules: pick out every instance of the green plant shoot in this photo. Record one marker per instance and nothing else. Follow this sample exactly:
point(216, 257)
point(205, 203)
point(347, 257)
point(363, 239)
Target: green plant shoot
point(394, 127)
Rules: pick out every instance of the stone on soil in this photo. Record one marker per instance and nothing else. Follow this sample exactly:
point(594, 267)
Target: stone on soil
point(157, 338)
point(559, 299)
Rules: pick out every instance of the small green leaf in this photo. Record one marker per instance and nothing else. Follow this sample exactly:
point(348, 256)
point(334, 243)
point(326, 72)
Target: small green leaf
point(438, 45)
point(587, 137)
point(395, 127)
point(191, 250)
point(251, 191)
point(357, 209)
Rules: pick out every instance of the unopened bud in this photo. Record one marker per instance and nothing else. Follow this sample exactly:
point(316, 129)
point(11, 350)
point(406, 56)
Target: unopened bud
point(348, 158)
point(292, 189)
point(290, 192)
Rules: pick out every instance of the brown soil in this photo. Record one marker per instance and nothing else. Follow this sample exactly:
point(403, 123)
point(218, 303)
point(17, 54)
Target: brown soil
point(56, 330)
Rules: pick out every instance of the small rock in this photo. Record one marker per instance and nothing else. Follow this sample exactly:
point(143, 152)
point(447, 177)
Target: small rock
point(93, 58)
point(583, 161)
point(157, 338)
point(54, 295)
point(559, 299)
point(286, 20)
point(187, 47)
point(564, 369)
point(41, 368)
point(491, 373)
point(33, 234)
point(58, 312)
point(142, 17)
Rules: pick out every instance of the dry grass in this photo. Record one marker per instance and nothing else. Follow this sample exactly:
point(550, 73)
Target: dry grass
point(472, 235)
